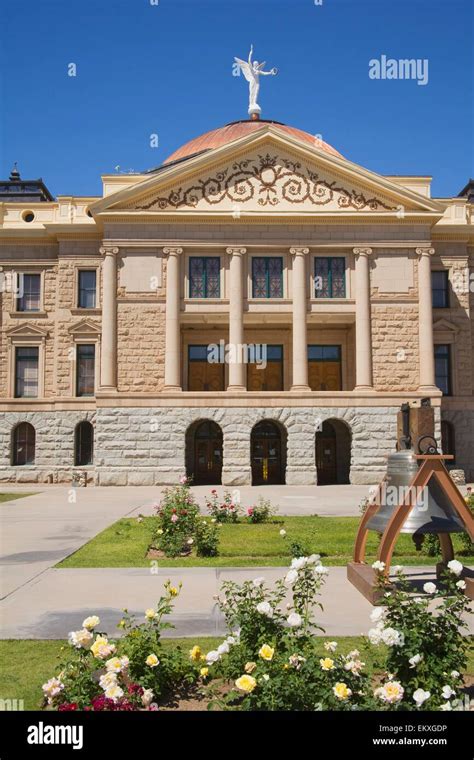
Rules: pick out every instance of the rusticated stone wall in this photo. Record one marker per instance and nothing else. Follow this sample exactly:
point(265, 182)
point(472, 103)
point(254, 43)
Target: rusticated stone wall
point(395, 347)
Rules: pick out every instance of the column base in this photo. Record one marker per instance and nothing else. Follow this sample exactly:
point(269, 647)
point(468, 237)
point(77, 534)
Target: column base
point(236, 388)
point(364, 388)
point(172, 388)
point(428, 389)
point(300, 388)
point(107, 389)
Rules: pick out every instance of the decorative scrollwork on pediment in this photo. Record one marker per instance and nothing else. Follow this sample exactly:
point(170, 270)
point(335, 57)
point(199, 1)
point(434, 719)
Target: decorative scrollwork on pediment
point(269, 180)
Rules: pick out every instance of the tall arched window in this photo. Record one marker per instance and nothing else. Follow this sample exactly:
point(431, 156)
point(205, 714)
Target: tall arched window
point(23, 444)
point(83, 444)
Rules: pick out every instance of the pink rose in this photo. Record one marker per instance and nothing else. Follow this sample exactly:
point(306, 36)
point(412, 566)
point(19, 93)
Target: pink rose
point(174, 518)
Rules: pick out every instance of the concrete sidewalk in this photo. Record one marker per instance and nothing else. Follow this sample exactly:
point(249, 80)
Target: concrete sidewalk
point(57, 601)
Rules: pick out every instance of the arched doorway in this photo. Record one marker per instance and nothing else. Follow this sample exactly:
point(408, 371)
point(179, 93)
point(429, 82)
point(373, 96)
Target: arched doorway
point(268, 454)
point(333, 453)
point(204, 453)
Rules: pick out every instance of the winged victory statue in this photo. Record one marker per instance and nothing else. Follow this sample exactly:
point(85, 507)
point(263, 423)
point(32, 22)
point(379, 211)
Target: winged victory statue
point(252, 70)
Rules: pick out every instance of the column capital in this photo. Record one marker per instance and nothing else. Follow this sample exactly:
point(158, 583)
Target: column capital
point(299, 251)
point(362, 251)
point(428, 251)
point(109, 250)
point(172, 250)
point(236, 251)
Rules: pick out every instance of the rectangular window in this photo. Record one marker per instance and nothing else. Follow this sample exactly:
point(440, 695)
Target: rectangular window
point(29, 289)
point(204, 372)
point(87, 289)
point(204, 277)
point(443, 368)
point(324, 368)
point(267, 277)
point(440, 289)
point(26, 372)
point(85, 369)
point(330, 277)
point(269, 378)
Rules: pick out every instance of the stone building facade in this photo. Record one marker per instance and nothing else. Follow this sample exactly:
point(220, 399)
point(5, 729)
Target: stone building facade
point(329, 295)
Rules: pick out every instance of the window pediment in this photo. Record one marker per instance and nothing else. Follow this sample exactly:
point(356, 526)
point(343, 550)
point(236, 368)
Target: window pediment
point(85, 327)
point(27, 330)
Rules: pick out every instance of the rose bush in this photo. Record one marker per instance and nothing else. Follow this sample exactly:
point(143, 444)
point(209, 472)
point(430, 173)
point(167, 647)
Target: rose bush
point(224, 510)
point(176, 517)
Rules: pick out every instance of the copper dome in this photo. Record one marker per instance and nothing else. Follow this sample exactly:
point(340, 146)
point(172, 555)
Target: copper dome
point(236, 129)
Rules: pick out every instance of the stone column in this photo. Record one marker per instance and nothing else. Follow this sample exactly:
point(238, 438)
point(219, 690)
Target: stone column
point(237, 369)
point(363, 320)
point(108, 354)
point(425, 321)
point(300, 330)
point(172, 329)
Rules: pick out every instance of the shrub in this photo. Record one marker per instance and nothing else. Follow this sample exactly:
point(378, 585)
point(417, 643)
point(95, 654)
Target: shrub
point(100, 674)
point(225, 510)
point(206, 536)
point(426, 648)
point(468, 545)
point(177, 514)
point(261, 512)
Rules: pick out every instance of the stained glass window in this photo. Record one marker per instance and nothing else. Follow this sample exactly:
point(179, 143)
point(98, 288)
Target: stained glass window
point(267, 277)
point(204, 277)
point(330, 277)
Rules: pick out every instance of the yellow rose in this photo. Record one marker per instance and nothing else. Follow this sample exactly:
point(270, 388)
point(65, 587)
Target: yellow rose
point(121, 624)
point(195, 653)
point(341, 691)
point(101, 648)
point(286, 666)
point(204, 672)
point(150, 613)
point(246, 683)
point(173, 591)
point(266, 652)
point(152, 660)
point(250, 667)
point(326, 663)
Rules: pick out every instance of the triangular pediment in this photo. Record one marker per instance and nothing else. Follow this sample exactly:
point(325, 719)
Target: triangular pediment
point(27, 330)
point(84, 327)
point(445, 325)
point(267, 173)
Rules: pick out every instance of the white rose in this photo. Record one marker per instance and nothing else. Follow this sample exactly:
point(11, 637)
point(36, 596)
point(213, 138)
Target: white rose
point(114, 692)
point(80, 639)
point(282, 533)
point(420, 696)
point(294, 620)
point(461, 584)
point(415, 660)
point(377, 614)
point(298, 563)
point(447, 692)
point(313, 559)
point(429, 588)
point(377, 565)
point(330, 646)
point(375, 635)
point(223, 648)
point(264, 608)
point(446, 707)
point(231, 641)
point(320, 570)
point(107, 680)
point(91, 622)
point(455, 567)
point(257, 582)
point(212, 656)
point(291, 577)
point(392, 638)
point(455, 674)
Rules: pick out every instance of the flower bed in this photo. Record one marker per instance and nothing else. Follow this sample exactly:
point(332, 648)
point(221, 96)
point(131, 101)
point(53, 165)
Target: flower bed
point(269, 659)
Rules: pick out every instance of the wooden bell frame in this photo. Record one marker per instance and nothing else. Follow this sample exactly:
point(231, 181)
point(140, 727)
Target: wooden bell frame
point(363, 576)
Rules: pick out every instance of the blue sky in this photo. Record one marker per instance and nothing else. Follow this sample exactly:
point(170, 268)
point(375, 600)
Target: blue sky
point(167, 69)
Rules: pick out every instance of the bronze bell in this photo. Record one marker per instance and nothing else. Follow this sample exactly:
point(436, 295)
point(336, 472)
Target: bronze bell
point(431, 513)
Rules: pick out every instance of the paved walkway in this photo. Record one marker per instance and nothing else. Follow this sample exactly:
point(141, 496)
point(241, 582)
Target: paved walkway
point(58, 601)
point(39, 601)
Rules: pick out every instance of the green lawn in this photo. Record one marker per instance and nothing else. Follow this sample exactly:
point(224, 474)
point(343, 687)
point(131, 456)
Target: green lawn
point(125, 544)
point(27, 664)
point(12, 496)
